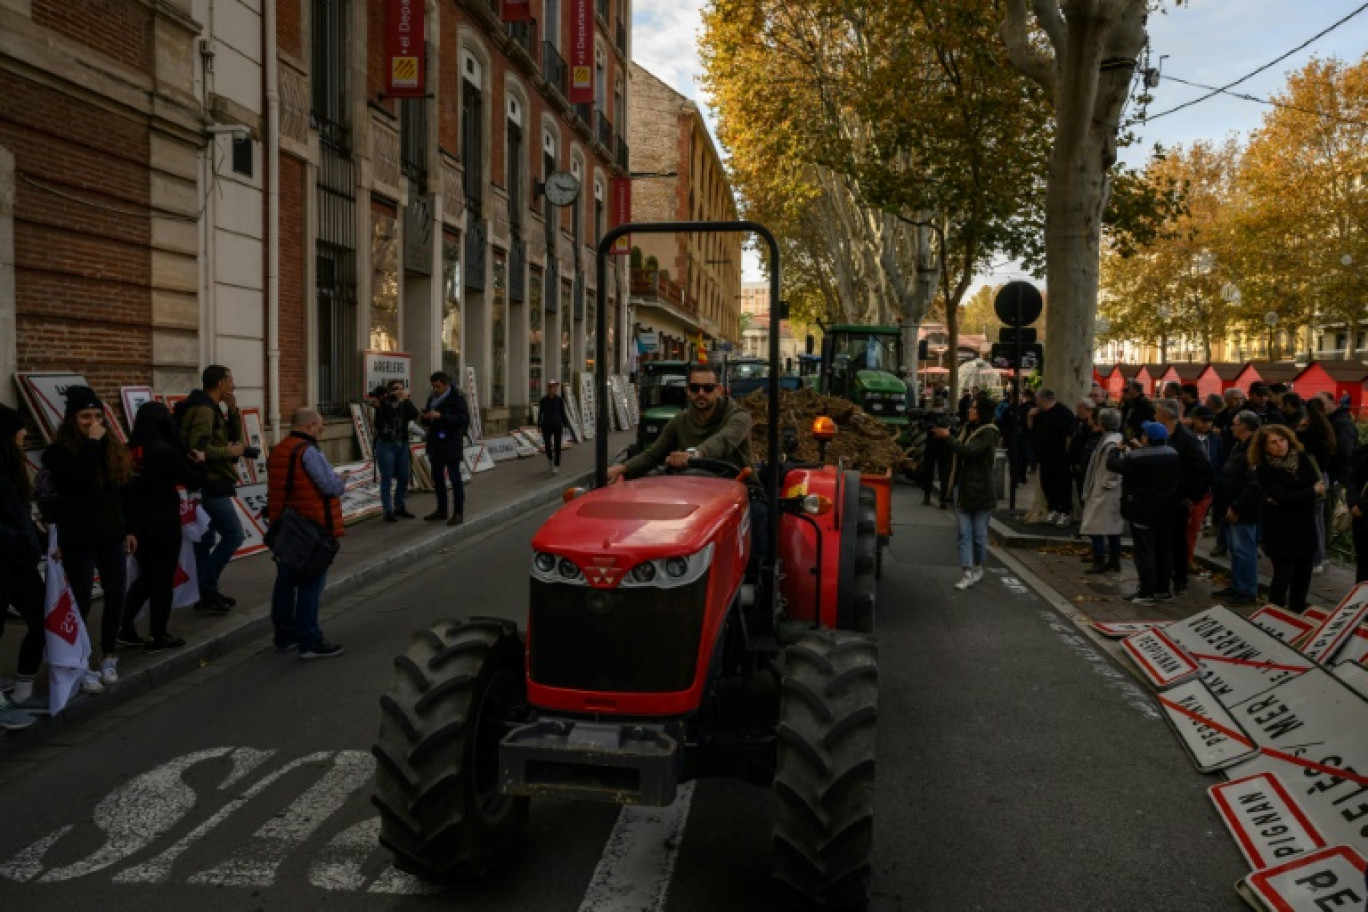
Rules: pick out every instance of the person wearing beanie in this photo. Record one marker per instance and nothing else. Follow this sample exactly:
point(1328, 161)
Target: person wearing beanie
point(20, 584)
point(551, 422)
point(1151, 479)
point(89, 466)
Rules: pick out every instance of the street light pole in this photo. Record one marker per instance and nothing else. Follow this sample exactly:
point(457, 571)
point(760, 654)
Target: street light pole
point(1164, 314)
point(1270, 320)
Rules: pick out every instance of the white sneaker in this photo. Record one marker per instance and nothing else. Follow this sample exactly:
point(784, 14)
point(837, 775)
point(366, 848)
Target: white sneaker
point(1319, 568)
point(1063, 520)
point(91, 684)
point(967, 580)
point(1052, 518)
point(109, 670)
point(978, 574)
point(555, 470)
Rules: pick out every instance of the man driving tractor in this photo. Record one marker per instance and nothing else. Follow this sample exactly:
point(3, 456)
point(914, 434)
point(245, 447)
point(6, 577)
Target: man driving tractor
point(712, 427)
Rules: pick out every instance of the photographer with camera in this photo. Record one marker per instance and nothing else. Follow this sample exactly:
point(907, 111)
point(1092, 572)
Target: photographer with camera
point(393, 412)
point(936, 458)
point(210, 423)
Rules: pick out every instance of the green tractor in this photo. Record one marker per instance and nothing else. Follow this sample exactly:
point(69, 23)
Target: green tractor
point(865, 365)
point(662, 392)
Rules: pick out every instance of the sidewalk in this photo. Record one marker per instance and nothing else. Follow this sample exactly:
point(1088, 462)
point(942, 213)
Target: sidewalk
point(1058, 557)
point(371, 549)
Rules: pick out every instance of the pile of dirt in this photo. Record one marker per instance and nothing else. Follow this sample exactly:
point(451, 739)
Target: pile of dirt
point(862, 441)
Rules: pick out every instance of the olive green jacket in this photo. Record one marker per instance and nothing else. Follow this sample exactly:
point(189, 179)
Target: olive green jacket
point(726, 437)
point(971, 476)
point(205, 427)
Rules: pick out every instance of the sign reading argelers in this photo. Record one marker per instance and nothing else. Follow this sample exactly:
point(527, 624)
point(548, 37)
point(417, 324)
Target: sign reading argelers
point(405, 48)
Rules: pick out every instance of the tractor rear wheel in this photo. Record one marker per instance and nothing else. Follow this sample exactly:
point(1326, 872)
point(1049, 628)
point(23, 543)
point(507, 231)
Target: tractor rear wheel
point(824, 780)
point(437, 770)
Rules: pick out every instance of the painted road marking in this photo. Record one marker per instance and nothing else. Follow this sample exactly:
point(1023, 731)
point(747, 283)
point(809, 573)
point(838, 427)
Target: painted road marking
point(639, 860)
point(1133, 696)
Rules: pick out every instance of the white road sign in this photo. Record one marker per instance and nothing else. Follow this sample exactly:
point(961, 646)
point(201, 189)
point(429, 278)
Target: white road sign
point(1208, 731)
point(1322, 881)
point(1266, 821)
point(1283, 624)
point(1122, 629)
point(1237, 658)
point(1339, 627)
point(1159, 658)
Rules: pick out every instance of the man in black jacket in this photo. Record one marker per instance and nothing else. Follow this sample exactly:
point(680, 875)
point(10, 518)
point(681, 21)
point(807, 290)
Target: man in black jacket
point(447, 418)
point(1346, 438)
point(1236, 505)
point(1261, 403)
point(1051, 423)
point(1150, 490)
point(1194, 484)
point(1136, 410)
point(551, 423)
point(393, 412)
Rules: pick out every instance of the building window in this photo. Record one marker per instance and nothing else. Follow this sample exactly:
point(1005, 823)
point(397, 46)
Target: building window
point(535, 340)
point(600, 79)
point(590, 331)
point(328, 69)
point(339, 349)
point(599, 212)
point(548, 210)
point(451, 304)
point(513, 160)
point(576, 213)
point(498, 325)
point(242, 155)
point(619, 108)
point(551, 13)
point(413, 140)
point(472, 135)
point(384, 309)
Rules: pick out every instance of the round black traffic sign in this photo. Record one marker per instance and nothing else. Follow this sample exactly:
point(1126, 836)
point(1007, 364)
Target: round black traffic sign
point(1018, 304)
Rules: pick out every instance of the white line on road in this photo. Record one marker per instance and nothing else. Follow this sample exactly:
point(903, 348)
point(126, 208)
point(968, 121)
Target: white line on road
point(254, 864)
point(339, 868)
point(136, 813)
point(639, 860)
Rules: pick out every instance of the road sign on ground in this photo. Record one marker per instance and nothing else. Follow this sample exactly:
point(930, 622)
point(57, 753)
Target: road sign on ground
point(1266, 821)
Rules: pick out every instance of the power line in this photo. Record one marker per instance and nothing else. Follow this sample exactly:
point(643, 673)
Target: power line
point(1271, 102)
point(1230, 85)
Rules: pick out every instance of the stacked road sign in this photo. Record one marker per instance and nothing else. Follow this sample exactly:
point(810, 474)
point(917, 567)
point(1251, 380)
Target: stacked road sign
point(1279, 703)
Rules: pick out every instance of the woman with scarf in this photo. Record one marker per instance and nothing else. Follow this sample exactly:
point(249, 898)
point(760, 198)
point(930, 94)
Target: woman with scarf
point(89, 468)
point(1291, 486)
point(971, 485)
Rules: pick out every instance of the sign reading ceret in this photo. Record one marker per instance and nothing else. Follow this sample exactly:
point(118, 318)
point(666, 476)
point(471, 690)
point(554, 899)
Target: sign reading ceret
point(382, 367)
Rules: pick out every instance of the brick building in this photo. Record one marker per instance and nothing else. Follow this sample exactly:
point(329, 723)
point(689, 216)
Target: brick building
point(101, 141)
point(227, 182)
point(694, 284)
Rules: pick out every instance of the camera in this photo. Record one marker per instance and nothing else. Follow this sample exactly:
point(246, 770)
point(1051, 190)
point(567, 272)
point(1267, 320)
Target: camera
point(943, 420)
point(251, 452)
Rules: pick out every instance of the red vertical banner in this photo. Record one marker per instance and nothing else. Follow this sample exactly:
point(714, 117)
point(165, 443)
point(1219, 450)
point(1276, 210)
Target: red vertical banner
point(405, 49)
point(581, 52)
point(621, 190)
point(516, 10)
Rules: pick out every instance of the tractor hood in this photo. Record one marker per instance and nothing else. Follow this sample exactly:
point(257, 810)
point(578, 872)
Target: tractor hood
point(876, 381)
point(653, 517)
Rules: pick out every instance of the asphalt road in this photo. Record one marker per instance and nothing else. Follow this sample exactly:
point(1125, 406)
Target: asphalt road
point(1019, 768)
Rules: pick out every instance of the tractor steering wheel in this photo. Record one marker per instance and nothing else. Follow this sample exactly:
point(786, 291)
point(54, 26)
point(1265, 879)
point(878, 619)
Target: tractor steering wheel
point(716, 467)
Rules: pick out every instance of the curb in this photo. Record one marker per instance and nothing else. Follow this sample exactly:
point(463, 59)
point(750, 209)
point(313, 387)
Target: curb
point(256, 620)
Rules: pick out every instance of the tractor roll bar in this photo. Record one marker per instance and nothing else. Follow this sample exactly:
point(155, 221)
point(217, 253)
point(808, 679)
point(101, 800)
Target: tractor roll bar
point(601, 363)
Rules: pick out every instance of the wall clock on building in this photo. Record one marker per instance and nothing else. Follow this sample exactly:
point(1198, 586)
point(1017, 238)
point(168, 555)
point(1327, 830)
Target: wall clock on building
point(562, 187)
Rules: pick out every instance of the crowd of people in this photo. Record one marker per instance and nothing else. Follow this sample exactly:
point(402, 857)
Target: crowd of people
point(1269, 471)
point(104, 507)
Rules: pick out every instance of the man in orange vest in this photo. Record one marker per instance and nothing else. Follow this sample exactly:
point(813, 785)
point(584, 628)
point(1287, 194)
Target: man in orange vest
point(301, 477)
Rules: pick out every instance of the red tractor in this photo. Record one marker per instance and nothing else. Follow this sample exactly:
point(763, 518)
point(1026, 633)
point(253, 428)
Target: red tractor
point(657, 652)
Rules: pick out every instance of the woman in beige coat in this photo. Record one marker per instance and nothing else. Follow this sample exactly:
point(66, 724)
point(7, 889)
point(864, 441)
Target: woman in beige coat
point(1102, 497)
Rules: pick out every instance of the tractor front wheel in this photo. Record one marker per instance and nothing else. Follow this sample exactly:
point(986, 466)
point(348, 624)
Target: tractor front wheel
point(824, 780)
point(437, 770)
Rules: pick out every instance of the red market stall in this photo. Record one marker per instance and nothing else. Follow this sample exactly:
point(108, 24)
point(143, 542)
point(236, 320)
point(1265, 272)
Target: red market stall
point(1335, 377)
point(1268, 372)
point(1127, 373)
point(1219, 377)
point(1183, 372)
point(1150, 375)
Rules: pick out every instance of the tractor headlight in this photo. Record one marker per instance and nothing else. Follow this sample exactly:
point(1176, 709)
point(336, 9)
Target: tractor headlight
point(567, 568)
point(669, 572)
point(544, 562)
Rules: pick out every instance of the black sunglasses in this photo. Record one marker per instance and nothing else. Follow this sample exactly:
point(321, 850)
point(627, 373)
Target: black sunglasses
point(702, 387)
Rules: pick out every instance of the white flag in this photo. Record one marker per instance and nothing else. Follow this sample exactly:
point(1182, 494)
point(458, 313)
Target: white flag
point(68, 645)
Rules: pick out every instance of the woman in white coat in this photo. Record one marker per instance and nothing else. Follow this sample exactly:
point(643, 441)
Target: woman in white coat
point(1102, 497)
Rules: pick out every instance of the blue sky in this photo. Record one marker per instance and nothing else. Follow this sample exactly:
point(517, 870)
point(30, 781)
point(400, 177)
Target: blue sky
point(1206, 41)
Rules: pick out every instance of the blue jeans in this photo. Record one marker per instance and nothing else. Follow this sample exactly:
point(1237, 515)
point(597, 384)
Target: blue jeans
point(294, 608)
point(393, 459)
point(1244, 558)
point(973, 536)
point(223, 537)
point(1104, 544)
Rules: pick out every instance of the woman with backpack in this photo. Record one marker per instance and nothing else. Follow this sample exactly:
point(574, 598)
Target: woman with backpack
point(20, 585)
point(89, 467)
point(151, 504)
